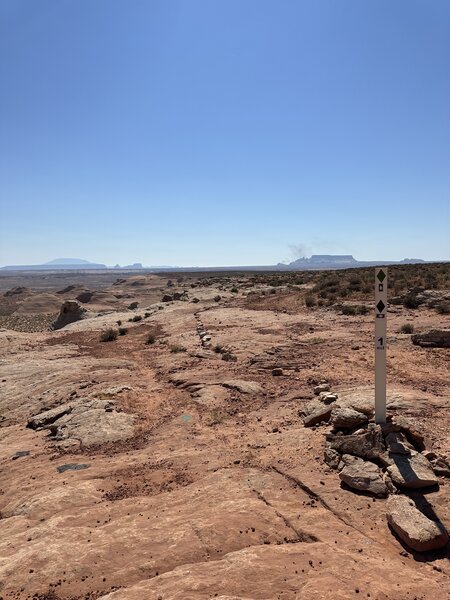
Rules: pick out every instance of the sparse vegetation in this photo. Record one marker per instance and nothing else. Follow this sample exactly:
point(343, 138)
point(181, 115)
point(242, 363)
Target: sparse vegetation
point(119, 322)
point(123, 330)
point(151, 339)
point(310, 300)
point(110, 335)
point(443, 307)
point(234, 290)
point(407, 328)
point(354, 309)
point(135, 319)
point(175, 348)
point(133, 305)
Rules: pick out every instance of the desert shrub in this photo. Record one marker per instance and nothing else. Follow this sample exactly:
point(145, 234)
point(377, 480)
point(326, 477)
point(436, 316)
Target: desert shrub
point(310, 300)
point(349, 309)
point(151, 339)
point(443, 307)
point(133, 305)
point(146, 315)
point(228, 356)
point(219, 349)
point(234, 290)
point(122, 331)
point(411, 300)
point(119, 322)
point(407, 328)
point(362, 309)
point(175, 348)
point(136, 318)
point(108, 336)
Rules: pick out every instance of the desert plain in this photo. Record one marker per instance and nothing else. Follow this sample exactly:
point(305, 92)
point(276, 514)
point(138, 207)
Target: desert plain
point(158, 447)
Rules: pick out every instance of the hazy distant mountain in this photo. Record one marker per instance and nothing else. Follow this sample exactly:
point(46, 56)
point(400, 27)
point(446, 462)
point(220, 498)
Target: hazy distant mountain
point(340, 261)
point(57, 264)
point(68, 261)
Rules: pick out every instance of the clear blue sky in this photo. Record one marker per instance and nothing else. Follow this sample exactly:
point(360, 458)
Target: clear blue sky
point(221, 132)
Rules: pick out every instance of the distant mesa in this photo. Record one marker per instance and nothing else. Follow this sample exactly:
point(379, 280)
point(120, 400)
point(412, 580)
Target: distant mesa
point(57, 264)
point(340, 261)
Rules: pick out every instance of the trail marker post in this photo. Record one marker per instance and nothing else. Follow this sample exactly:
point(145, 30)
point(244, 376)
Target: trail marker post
point(380, 343)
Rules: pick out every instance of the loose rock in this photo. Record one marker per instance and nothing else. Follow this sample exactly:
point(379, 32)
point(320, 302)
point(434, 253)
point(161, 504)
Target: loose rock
point(411, 471)
point(415, 529)
point(347, 418)
point(363, 475)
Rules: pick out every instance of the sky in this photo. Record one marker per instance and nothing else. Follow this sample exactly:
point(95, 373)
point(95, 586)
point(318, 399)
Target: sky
point(224, 132)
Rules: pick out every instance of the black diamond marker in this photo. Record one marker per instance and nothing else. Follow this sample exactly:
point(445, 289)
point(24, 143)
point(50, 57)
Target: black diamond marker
point(381, 306)
point(381, 276)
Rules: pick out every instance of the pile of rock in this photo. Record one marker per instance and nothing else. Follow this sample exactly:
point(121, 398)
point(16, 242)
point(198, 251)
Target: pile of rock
point(380, 460)
point(204, 336)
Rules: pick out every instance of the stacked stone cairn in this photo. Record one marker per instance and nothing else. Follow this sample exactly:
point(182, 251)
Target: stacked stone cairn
point(385, 461)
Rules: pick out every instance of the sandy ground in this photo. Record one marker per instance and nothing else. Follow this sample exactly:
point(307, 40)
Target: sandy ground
point(221, 492)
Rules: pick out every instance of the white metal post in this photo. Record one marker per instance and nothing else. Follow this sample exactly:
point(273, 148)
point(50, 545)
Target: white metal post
point(380, 343)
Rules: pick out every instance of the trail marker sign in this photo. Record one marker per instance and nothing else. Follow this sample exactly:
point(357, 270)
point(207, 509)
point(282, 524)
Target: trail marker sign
point(380, 343)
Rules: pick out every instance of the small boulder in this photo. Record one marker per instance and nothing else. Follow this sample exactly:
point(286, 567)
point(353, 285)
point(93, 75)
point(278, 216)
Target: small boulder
point(331, 458)
point(321, 413)
point(327, 397)
point(415, 529)
point(363, 476)
point(410, 429)
point(411, 471)
point(167, 298)
point(347, 418)
point(368, 445)
point(323, 387)
point(277, 371)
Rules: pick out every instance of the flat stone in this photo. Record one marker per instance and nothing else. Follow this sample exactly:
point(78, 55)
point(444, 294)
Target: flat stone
point(71, 467)
point(322, 387)
point(411, 471)
point(327, 397)
point(49, 416)
point(363, 476)
point(245, 387)
point(415, 529)
point(347, 418)
point(410, 429)
point(397, 443)
point(322, 413)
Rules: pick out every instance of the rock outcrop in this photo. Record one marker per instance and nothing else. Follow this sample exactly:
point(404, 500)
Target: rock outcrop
point(435, 338)
point(70, 312)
